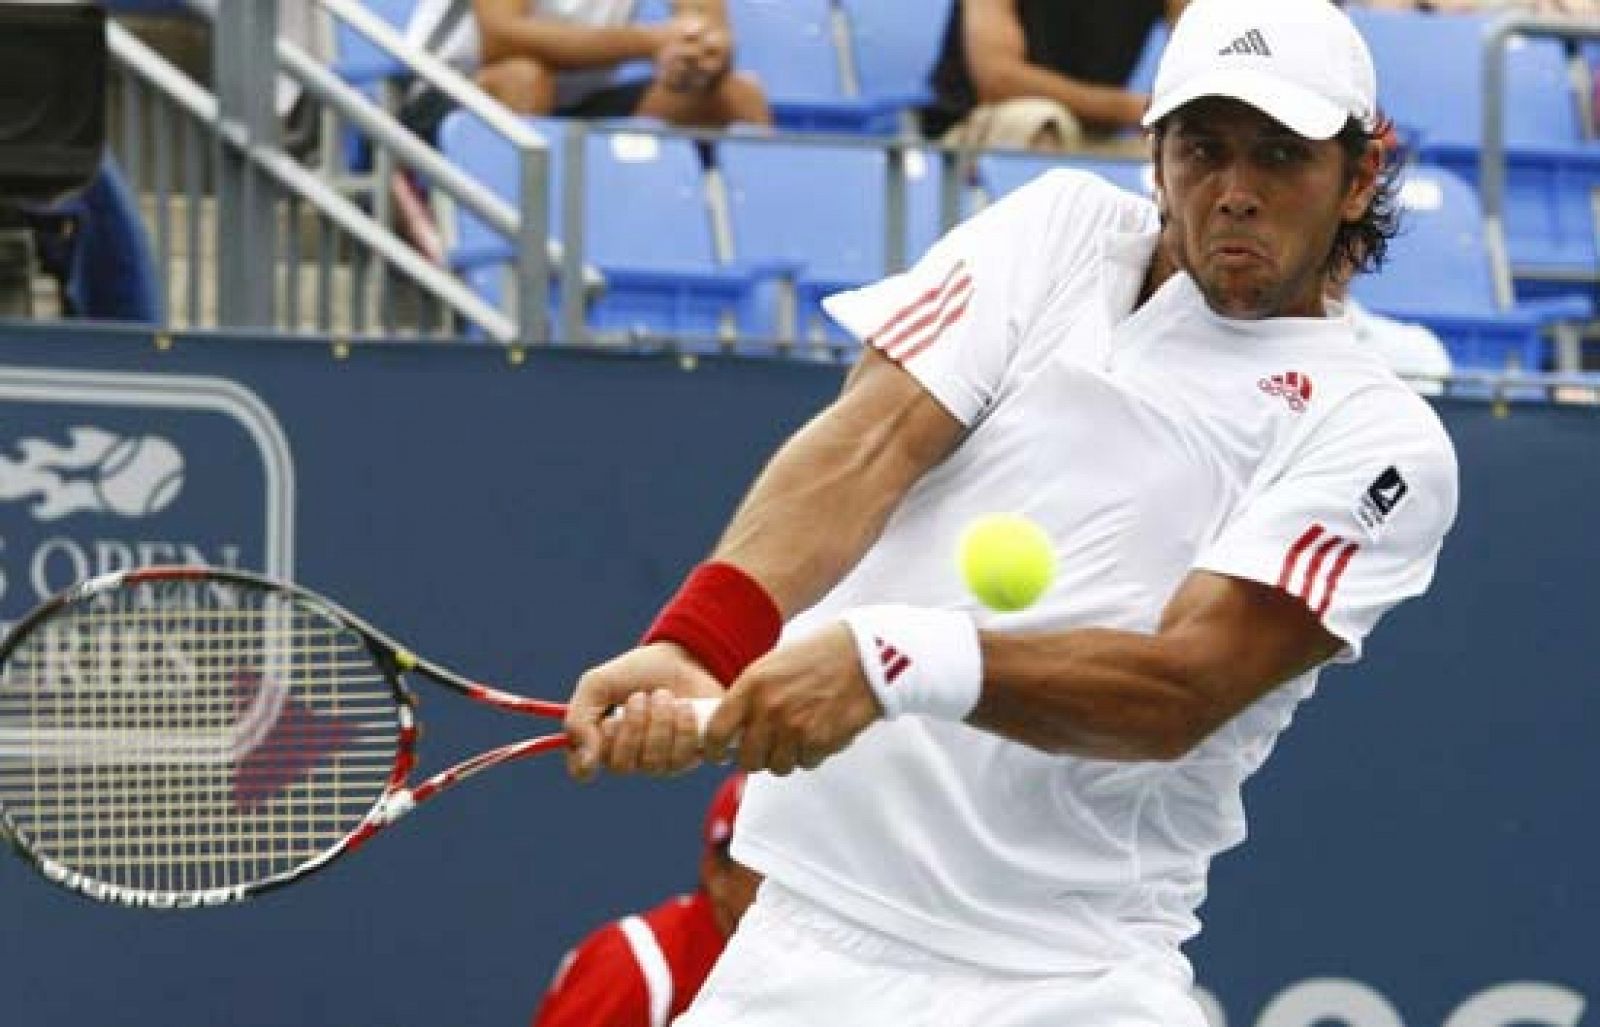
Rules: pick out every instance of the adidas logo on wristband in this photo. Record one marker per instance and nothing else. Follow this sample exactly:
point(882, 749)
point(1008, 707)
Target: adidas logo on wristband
point(919, 660)
point(893, 661)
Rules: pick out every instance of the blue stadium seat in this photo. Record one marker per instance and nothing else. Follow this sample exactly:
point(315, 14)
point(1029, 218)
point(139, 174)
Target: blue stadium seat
point(1437, 102)
point(646, 227)
point(789, 46)
point(1439, 275)
point(480, 254)
point(925, 174)
point(895, 51)
point(833, 246)
point(1000, 173)
point(1142, 79)
point(365, 65)
point(652, 10)
point(360, 61)
point(490, 158)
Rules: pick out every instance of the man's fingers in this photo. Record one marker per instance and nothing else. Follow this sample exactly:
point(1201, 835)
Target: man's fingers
point(811, 759)
point(685, 752)
point(664, 750)
point(626, 733)
point(722, 732)
point(582, 725)
point(583, 752)
point(755, 745)
point(784, 755)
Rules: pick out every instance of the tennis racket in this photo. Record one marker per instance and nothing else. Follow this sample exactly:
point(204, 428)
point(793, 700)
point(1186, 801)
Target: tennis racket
point(179, 737)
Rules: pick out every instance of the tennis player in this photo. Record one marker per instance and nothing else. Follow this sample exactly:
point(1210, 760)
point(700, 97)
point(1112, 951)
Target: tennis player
point(643, 970)
point(1008, 819)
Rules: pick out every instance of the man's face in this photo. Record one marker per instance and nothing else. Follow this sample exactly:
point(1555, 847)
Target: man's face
point(1252, 209)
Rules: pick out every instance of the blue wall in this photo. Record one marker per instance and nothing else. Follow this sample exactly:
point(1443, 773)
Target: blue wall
point(1425, 833)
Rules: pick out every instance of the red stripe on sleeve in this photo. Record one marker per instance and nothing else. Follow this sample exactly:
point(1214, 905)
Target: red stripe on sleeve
point(911, 308)
point(939, 329)
point(1334, 575)
point(1292, 557)
point(932, 313)
point(1310, 583)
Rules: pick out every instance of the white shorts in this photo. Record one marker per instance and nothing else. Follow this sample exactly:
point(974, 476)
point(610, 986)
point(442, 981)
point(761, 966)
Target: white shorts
point(792, 963)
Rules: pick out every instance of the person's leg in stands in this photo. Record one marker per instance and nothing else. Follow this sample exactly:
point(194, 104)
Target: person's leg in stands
point(520, 83)
point(695, 83)
point(735, 97)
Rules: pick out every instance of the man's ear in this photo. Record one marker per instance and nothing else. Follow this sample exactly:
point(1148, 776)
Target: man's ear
point(1364, 181)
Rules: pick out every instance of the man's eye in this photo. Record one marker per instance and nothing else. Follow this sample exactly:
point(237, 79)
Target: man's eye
point(1283, 153)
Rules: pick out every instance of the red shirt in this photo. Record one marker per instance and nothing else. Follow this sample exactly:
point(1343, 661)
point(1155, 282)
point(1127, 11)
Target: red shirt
point(640, 971)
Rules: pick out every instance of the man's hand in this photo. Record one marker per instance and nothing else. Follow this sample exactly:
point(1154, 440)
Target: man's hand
point(656, 732)
point(794, 707)
point(694, 56)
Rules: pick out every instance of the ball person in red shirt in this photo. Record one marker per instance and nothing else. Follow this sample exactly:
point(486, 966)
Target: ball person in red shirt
point(645, 969)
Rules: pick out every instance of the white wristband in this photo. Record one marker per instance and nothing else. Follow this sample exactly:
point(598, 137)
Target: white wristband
point(919, 660)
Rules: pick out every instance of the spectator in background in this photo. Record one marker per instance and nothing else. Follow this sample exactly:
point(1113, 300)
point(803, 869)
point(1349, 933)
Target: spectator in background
point(562, 57)
point(641, 971)
point(93, 244)
point(1041, 74)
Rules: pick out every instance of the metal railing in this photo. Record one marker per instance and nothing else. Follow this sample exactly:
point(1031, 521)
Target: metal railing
point(1492, 154)
point(527, 229)
point(246, 236)
point(231, 140)
point(568, 256)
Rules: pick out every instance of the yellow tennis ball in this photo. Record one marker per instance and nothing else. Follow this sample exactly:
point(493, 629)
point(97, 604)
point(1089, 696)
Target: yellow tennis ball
point(1006, 560)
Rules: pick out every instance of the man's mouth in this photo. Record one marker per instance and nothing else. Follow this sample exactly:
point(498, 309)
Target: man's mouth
point(1239, 251)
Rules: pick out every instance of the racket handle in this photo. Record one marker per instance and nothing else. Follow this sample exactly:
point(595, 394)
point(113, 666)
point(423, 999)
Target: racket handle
point(703, 709)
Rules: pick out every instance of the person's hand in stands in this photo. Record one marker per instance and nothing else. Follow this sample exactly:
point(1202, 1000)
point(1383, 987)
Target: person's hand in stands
point(695, 57)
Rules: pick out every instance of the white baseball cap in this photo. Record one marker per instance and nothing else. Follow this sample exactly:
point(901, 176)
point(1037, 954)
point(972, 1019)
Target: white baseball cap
point(1301, 62)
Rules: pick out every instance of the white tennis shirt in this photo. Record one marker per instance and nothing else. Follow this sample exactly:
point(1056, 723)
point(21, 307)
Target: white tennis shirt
point(1149, 443)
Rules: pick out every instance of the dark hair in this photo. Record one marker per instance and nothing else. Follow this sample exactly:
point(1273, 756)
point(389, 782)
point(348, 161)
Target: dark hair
point(1361, 246)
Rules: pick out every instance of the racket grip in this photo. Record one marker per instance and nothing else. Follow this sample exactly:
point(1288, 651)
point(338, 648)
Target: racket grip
point(703, 709)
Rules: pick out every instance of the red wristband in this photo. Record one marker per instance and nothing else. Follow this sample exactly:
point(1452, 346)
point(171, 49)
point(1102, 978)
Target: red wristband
point(723, 616)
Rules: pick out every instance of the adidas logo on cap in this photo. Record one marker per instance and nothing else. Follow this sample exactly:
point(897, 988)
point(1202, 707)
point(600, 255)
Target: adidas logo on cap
point(1252, 43)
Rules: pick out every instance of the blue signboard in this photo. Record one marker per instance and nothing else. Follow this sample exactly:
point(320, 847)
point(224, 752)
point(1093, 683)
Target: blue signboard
point(1423, 840)
point(105, 470)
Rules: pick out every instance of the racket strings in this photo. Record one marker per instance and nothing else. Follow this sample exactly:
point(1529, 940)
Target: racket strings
point(180, 736)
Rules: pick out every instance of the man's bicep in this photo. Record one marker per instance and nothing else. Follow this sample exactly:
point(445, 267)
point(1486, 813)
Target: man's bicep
point(1240, 638)
point(882, 400)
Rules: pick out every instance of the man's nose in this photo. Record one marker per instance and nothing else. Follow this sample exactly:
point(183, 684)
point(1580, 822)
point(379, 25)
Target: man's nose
point(1239, 196)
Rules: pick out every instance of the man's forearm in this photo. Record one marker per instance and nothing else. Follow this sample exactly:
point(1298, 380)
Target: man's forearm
point(1223, 643)
point(1096, 104)
point(826, 495)
point(566, 47)
point(1100, 694)
point(809, 517)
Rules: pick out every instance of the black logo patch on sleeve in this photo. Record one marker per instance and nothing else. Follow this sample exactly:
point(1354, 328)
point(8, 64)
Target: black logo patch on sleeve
point(1382, 496)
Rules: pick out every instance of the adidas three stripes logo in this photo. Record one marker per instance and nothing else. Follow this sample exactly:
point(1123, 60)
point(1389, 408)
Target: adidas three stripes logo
point(1252, 43)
